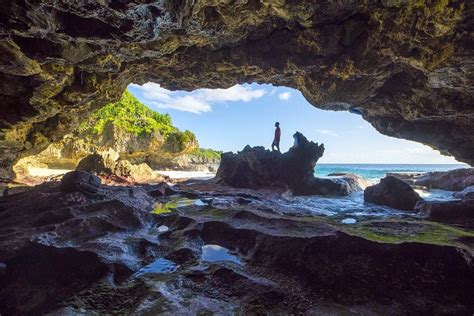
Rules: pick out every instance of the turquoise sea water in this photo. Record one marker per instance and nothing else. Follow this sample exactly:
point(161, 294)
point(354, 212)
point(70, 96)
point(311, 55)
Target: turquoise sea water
point(377, 171)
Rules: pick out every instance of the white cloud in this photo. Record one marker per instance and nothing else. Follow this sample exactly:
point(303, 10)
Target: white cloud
point(284, 96)
point(198, 101)
point(235, 93)
point(327, 132)
point(187, 104)
point(153, 91)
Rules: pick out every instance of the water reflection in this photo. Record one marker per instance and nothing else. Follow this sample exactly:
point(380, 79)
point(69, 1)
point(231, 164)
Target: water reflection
point(162, 229)
point(215, 253)
point(349, 221)
point(160, 265)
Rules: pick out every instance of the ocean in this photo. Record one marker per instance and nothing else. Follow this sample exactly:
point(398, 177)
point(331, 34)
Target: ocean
point(377, 171)
point(349, 209)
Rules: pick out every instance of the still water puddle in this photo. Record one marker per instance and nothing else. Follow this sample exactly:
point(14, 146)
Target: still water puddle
point(349, 220)
point(162, 228)
point(216, 253)
point(160, 265)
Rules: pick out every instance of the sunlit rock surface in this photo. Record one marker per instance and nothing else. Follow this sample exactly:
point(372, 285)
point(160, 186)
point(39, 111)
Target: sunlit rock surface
point(405, 66)
point(111, 168)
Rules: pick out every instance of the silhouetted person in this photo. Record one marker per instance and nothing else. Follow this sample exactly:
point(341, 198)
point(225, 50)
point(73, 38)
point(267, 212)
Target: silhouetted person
point(276, 139)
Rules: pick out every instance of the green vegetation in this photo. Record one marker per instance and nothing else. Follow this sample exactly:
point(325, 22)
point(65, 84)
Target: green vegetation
point(131, 115)
point(178, 141)
point(134, 117)
point(173, 204)
point(405, 230)
point(205, 153)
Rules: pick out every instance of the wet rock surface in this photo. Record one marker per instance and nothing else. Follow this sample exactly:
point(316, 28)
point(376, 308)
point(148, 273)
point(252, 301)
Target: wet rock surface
point(405, 67)
point(256, 168)
point(466, 194)
point(450, 212)
point(392, 192)
point(118, 252)
point(454, 180)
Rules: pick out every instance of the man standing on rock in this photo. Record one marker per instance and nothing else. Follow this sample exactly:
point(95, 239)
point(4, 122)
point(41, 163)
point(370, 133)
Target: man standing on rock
point(276, 140)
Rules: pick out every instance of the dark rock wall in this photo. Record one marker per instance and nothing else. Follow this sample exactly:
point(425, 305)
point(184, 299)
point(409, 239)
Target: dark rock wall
point(405, 66)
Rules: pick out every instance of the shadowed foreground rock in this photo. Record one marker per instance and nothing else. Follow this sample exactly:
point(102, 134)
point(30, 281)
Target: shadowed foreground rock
point(75, 253)
point(449, 212)
point(259, 168)
point(392, 192)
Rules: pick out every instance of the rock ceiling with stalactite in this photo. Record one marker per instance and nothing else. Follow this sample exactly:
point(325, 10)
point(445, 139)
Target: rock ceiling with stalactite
point(405, 66)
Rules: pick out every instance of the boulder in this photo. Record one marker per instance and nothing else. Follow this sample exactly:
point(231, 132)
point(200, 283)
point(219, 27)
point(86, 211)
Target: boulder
point(453, 180)
point(80, 181)
point(256, 167)
point(447, 211)
point(392, 192)
point(356, 182)
point(466, 194)
point(160, 190)
point(133, 172)
point(102, 163)
point(110, 167)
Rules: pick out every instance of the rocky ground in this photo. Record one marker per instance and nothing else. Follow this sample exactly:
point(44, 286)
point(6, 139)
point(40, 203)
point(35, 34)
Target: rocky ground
point(84, 248)
point(234, 244)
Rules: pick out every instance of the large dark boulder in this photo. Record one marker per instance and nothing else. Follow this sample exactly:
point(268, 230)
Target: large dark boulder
point(392, 192)
point(80, 181)
point(447, 211)
point(255, 167)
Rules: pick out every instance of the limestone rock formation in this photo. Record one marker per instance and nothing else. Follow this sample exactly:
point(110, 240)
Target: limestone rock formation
point(259, 168)
point(68, 253)
point(461, 212)
point(356, 182)
point(54, 246)
point(392, 192)
point(405, 66)
point(110, 167)
point(466, 194)
point(453, 180)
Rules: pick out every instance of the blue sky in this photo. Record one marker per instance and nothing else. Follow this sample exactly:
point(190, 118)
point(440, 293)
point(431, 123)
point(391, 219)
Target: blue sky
point(229, 119)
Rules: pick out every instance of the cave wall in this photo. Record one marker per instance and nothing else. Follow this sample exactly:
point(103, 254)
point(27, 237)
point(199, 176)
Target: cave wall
point(405, 66)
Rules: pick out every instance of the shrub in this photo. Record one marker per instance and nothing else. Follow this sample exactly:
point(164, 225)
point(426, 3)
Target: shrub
point(131, 115)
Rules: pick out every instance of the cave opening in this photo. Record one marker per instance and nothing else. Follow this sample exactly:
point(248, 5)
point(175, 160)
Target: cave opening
point(180, 132)
point(264, 233)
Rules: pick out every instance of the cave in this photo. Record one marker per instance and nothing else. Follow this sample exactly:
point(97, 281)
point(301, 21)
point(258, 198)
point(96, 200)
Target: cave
point(406, 67)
